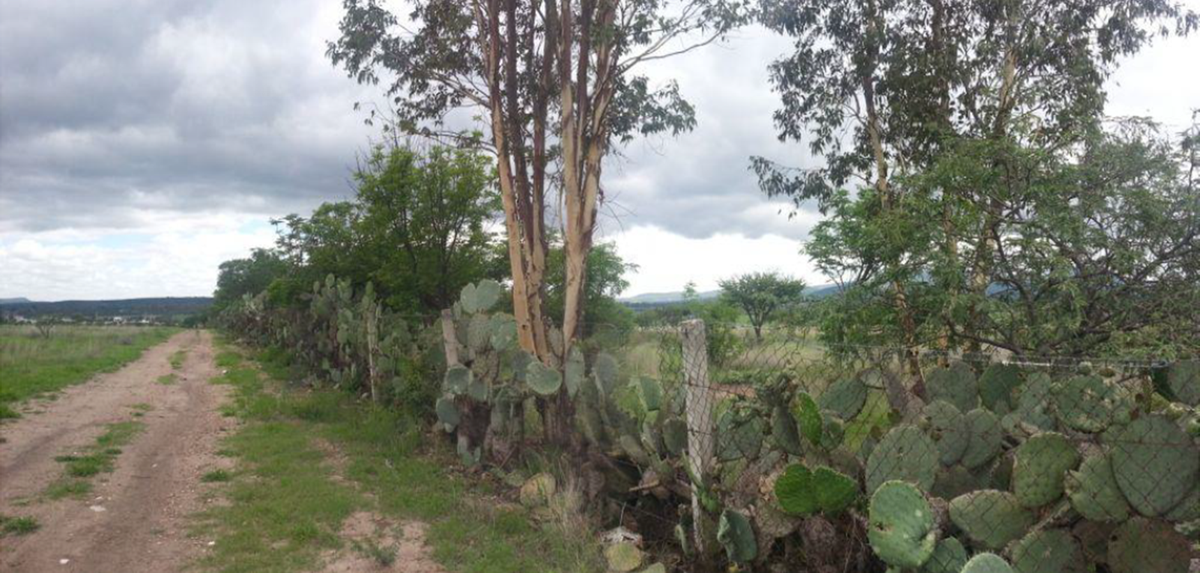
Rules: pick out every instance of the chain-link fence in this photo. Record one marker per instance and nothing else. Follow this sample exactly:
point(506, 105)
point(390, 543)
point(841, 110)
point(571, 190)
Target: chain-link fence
point(861, 458)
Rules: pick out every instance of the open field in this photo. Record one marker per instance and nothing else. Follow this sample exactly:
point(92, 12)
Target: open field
point(32, 365)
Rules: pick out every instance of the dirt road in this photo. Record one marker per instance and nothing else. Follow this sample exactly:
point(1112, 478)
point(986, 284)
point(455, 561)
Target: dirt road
point(135, 518)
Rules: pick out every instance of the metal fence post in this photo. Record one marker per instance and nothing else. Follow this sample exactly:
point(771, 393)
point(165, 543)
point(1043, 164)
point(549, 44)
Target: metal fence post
point(699, 405)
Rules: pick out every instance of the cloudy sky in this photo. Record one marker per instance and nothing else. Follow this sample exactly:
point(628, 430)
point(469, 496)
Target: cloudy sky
point(142, 142)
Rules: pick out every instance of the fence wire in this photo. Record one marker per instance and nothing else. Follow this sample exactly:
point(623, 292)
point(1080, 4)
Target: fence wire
point(1052, 463)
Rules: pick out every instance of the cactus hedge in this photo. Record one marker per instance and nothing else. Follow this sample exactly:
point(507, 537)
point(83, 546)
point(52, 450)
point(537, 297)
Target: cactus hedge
point(977, 468)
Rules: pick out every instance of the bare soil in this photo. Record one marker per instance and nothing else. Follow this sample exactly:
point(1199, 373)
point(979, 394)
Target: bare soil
point(135, 519)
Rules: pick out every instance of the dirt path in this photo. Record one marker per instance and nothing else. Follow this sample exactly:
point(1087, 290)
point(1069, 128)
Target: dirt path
point(135, 518)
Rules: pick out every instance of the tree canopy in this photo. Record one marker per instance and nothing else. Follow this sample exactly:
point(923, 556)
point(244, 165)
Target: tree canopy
point(761, 295)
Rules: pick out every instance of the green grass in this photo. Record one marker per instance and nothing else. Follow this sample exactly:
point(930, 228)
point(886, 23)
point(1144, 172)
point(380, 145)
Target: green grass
point(31, 365)
point(177, 359)
point(95, 459)
point(18, 525)
point(286, 508)
point(167, 379)
point(216, 476)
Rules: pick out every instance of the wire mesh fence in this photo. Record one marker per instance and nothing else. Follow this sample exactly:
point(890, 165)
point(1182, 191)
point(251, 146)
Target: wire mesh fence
point(862, 458)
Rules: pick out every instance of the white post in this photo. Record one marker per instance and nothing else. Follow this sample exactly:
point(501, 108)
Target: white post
point(699, 406)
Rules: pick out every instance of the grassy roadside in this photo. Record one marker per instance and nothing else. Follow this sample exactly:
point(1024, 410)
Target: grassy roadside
point(288, 498)
point(32, 365)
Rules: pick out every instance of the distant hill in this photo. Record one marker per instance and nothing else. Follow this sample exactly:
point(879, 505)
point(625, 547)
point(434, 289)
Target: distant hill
point(87, 309)
point(652, 299)
point(13, 300)
point(666, 297)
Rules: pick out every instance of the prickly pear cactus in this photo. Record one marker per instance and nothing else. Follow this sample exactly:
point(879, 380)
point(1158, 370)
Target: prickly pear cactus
point(1048, 551)
point(948, 428)
point(987, 563)
point(845, 398)
point(1155, 463)
point(1093, 491)
point(808, 416)
point(955, 384)
point(900, 525)
point(542, 379)
point(803, 492)
point(1183, 381)
point(738, 436)
point(457, 379)
point(737, 537)
point(986, 440)
point(1039, 466)
point(784, 431)
point(1033, 403)
point(1090, 403)
point(991, 518)
point(997, 386)
point(447, 413)
point(906, 454)
point(1148, 546)
point(948, 557)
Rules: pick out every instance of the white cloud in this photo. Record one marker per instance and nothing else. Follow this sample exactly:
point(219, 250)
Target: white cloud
point(169, 256)
point(668, 261)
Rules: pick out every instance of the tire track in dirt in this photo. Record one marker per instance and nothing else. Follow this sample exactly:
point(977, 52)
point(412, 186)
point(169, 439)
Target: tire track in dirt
point(155, 485)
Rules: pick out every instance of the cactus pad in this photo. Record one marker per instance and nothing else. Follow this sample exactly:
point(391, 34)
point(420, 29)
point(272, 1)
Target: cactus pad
point(1048, 551)
point(737, 537)
point(1155, 463)
point(650, 393)
point(504, 332)
point(845, 398)
point(1093, 491)
point(447, 413)
point(457, 379)
point(986, 438)
point(901, 527)
point(991, 518)
point(948, 428)
point(1183, 381)
point(1090, 403)
point(804, 492)
point(738, 436)
point(542, 379)
point(808, 414)
point(605, 370)
point(948, 557)
point(784, 432)
point(905, 453)
point(573, 372)
point(623, 557)
point(1148, 546)
point(997, 387)
point(987, 563)
point(1039, 466)
point(955, 384)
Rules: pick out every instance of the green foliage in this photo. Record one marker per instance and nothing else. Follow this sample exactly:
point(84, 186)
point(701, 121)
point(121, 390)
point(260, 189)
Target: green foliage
point(737, 537)
point(762, 295)
point(990, 518)
point(1155, 463)
point(901, 527)
point(801, 491)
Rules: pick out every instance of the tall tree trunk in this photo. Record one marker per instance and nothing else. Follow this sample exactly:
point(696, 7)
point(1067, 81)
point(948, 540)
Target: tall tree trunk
point(889, 203)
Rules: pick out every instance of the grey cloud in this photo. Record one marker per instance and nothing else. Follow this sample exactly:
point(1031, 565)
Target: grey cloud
point(112, 106)
point(108, 107)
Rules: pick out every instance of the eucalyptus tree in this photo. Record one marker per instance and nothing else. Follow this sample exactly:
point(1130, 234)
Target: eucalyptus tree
point(556, 84)
point(887, 91)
